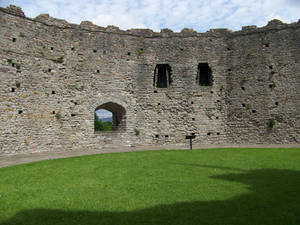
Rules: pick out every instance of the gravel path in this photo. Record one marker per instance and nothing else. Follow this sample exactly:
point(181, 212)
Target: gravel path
point(9, 159)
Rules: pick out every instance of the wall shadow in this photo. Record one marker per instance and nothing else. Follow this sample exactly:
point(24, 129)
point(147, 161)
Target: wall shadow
point(273, 199)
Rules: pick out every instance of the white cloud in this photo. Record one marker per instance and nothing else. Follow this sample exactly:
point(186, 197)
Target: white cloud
point(200, 15)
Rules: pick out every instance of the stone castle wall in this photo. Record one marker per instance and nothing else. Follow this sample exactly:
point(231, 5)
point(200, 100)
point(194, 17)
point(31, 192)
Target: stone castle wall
point(55, 74)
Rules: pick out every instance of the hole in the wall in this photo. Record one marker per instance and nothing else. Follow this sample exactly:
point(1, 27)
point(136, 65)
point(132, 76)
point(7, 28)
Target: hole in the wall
point(243, 88)
point(271, 86)
point(181, 49)
point(18, 67)
point(228, 49)
point(217, 117)
point(13, 64)
point(158, 103)
point(192, 102)
point(128, 53)
point(218, 133)
point(276, 103)
point(218, 100)
point(204, 75)
point(49, 70)
point(14, 40)
point(95, 50)
point(244, 105)
point(154, 91)
point(156, 135)
point(18, 84)
point(166, 136)
point(229, 70)
point(75, 103)
point(52, 48)
point(253, 111)
point(53, 112)
point(98, 71)
point(110, 116)
point(72, 48)
point(53, 92)
point(211, 92)
point(270, 67)
point(72, 114)
point(162, 76)
point(158, 121)
point(208, 133)
point(193, 119)
point(266, 45)
point(20, 111)
point(13, 89)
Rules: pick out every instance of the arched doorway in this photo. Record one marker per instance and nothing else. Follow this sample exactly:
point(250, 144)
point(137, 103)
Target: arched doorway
point(117, 114)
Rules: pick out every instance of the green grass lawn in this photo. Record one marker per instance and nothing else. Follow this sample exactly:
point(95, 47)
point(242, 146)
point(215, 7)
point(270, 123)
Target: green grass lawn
point(211, 187)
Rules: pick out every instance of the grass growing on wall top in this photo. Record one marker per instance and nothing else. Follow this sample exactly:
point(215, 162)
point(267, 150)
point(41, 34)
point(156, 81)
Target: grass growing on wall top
point(217, 186)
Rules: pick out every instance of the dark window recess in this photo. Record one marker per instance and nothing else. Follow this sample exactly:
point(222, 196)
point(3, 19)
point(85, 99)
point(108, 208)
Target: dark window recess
point(73, 114)
point(20, 111)
point(53, 112)
point(14, 40)
point(162, 76)
point(13, 89)
point(204, 75)
point(53, 92)
point(276, 103)
point(156, 135)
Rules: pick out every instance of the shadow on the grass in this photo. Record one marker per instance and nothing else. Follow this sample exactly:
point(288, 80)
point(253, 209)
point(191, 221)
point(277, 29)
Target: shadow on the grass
point(273, 199)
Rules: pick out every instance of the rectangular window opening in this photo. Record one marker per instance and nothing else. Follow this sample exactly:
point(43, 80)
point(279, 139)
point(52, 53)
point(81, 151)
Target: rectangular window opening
point(204, 75)
point(162, 76)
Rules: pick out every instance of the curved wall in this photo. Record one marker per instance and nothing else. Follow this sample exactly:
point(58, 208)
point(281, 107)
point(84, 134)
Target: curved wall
point(49, 67)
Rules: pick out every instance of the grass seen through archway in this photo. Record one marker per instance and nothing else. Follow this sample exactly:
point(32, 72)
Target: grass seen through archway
point(216, 186)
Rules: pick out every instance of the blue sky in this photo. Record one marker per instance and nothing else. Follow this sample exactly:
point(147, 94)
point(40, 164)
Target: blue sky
point(200, 15)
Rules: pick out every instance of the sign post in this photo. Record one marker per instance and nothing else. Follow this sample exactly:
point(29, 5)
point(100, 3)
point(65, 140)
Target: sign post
point(191, 137)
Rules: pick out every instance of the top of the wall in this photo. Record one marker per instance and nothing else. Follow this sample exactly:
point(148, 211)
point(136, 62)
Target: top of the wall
point(186, 32)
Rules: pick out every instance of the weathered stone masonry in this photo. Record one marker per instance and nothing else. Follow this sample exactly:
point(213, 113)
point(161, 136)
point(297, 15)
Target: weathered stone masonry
point(54, 75)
